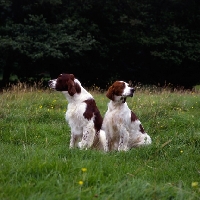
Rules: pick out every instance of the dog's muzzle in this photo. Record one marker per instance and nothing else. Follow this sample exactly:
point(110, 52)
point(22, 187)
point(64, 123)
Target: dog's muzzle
point(132, 90)
point(51, 84)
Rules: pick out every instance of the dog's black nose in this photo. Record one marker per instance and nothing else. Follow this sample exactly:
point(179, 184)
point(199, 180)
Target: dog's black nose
point(132, 90)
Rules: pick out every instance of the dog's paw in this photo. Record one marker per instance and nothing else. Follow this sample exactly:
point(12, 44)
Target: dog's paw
point(81, 146)
point(123, 148)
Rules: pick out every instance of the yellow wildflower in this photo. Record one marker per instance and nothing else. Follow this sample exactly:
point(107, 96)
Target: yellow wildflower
point(84, 169)
point(194, 184)
point(80, 182)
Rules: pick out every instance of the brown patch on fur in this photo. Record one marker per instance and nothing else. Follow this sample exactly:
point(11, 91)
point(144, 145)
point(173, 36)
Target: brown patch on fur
point(65, 82)
point(133, 117)
point(92, 110)
point(116, 88)
point(141, 129)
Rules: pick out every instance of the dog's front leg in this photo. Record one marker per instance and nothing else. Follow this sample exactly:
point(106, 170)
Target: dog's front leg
point(72, 141)
point(123, 141)
point(88, 138)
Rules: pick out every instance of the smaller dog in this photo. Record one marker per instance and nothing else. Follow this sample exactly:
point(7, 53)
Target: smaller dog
point(122, 127)
point(82, 113)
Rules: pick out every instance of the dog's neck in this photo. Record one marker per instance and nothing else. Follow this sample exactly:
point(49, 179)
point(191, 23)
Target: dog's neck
point(119, 99)
point(117, 103)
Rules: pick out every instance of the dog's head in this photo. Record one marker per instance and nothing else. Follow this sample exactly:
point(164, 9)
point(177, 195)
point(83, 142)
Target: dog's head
point(65, 82)
point(119, 90)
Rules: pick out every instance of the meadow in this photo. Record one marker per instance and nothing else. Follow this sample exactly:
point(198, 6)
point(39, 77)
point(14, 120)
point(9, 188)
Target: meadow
point(36, 162)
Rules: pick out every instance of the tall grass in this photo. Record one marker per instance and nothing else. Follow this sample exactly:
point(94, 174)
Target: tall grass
point(36, 162)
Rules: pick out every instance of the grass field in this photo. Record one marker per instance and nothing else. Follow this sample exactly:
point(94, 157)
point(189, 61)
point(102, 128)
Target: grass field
point(36, 162)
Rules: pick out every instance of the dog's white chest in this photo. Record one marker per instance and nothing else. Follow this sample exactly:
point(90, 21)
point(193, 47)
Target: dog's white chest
point(75, 112)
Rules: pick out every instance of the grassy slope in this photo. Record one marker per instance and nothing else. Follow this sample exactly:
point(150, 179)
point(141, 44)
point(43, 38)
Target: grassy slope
point(36, 163)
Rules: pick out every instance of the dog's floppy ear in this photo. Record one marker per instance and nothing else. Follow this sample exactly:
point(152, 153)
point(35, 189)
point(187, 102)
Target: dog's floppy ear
point(71, 85)
point(110, 93)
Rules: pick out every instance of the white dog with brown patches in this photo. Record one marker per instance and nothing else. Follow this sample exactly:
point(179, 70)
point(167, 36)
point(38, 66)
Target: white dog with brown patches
point(122, 127)
point(82, 113)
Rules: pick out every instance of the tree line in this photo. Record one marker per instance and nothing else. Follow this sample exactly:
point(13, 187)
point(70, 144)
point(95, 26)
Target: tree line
point(147, 41)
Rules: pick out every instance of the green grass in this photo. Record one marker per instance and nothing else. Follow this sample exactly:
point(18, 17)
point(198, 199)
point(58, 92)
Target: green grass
point(36, 162)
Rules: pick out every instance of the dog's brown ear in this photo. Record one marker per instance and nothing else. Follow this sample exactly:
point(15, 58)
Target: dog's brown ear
point(110, 93)
point(71, 87)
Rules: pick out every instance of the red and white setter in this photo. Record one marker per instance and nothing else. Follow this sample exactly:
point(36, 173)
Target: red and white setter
point(122, 127)
point(82, 113)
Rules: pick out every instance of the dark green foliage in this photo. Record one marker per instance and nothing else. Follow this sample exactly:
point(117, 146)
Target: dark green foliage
point(100, 41)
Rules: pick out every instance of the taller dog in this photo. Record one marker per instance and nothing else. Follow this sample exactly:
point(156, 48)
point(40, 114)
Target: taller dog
point(123, 128)
point(82, 113)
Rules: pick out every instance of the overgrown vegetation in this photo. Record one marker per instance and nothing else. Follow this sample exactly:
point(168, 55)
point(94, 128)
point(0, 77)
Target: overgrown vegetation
point(36, 162)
